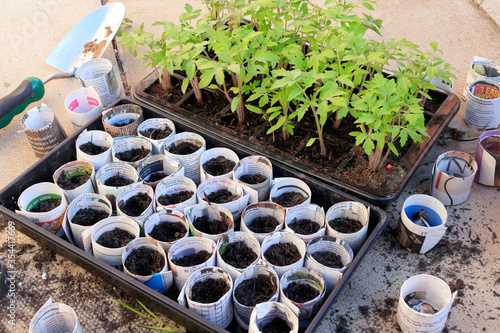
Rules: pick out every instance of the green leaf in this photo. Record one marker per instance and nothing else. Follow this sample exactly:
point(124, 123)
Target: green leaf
point(254, 109)
point(310, 142)
point(234, 103)
point(185, 84)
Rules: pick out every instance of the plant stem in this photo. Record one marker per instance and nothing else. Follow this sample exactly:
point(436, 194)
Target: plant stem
point(197, 91)
point(320, 132)
point(166, 79)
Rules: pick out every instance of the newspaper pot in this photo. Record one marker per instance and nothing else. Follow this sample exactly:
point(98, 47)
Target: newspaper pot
point(242, 312)
point(281, 237)
point(281, 186)
point(82, 106)
point(488, 158)
point(254, 165)
point(165, 216)
point(159, 281)
point(186, 247)
point(237, 236)
point(158, 164)
point(99, 74)
point(112, 256)
point(262, 209)
point(175, 184)
point(303, 275)
point(219, 312)
point(264, 313)
point(190, 162)
point(127, 143)
point(99, 138)
point(159, 124)
point(55, 317)
point(84, 201)
point(129, 114)
point(482, 107)
point(212, 212)
point(311, 212)
point(128, 193)
point(429, 227)
point(435, 292)
point(350, 210)
point(75, 169)
point(452, 177)
point(110, 170)
point(52, 220)
point(330, 275)
point(213, 153)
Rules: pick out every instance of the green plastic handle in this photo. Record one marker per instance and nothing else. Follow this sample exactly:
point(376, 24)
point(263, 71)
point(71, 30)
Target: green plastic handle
point(29, 91)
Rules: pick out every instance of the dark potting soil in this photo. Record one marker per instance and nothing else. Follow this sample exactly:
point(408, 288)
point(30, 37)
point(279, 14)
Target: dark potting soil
point(282, 254)
point(328, 258)
point(300, 292)
point(92, 149)
point(115, 238)
point(263, 224)
point(118, 180)
point(168, 231)
point(172, 96)
point(133, 154)
point(192, 260)
point(136, 204)
point(184, 148)
point(71, 180)
point(345, 225)
point(157, 133)
point(209, 290)
point(208, 226)
point(304, 226)
point(239, 255)
point(289, 199)
point(46, 205)
point(144, 261)
point(277, 325)
point(123, 123)
point(175, 198)
point(222, 196)
point(218, 166)
point(253, 291)
point(156, 176)
point(89, 216)
point(252, 179)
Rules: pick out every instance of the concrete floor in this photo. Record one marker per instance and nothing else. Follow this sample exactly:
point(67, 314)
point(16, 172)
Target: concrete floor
point(30, 29)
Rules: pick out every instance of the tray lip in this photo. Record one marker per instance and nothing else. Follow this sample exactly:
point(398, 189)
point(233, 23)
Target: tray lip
point(83, 259)
point(449, 108)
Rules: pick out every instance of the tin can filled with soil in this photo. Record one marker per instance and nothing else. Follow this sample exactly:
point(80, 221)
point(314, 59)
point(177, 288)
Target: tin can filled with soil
point(122, 120)
point(283, 251)
point(236, 252)
point(482, 108)
point(306, 221)
point(273, 317)
point(113, 178)
point(131, 149)
point(175, 192)
point(156, 130)
point(255, 172)
point(187, 148)
point(289, 192)
point(157, 167)
point(166, 226)
point(137, 202)
point(211, 221)
point(262, 219)
point(217, 162)
point(75, 178)
point(94, 147)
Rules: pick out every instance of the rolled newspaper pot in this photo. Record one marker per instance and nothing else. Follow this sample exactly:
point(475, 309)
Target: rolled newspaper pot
point(82, 106)
point(122, 120)
point(128, 201)
point(282, 237)
point(175, 185)
point(99, 155)
point(85, 202)
point(55, 317)
point(223, 248)
point(43, 130)
point(488, 158)
point(267, 313)
point(219, 155)
point(424, 304)
point(480, 69)
point(169, 234)
point(353, 211)
point(219, 312)
point(289, 192)
point(160, 279)
point(75, 178)
point(112, 256)
point(243, 312)
point(123, 172)
point(131, 149)
point(207, 214)
point(154, 167)
point(331, 275)
point(185, 247)
point(422, 223)
point(190, 162)
point(31, 198)
point(255, 165)
point(99, 74)
point(259, 212)
point(482, 108)
point(303, 217)
point(452, 177)
point(156, 130)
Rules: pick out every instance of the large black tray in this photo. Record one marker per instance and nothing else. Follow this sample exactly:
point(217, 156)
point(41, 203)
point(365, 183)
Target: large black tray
point(322, 194)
